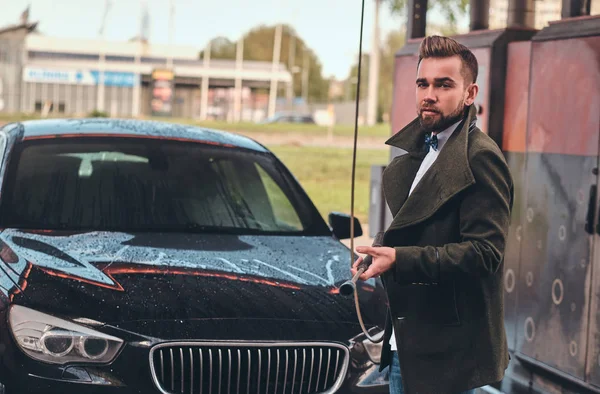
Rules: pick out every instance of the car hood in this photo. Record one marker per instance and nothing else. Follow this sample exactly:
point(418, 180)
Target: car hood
point(134, 280)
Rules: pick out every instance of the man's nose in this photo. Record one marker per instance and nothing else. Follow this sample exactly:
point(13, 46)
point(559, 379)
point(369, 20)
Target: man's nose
point(430, 95)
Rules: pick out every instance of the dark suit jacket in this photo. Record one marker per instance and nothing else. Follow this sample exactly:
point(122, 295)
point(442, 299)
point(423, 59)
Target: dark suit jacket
point(446, 288)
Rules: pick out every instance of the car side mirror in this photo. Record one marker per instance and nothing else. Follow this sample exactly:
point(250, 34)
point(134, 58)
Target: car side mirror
point(340, 225)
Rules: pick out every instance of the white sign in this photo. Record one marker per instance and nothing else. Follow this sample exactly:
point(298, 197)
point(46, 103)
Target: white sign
point(78, 77)
point(56, 76)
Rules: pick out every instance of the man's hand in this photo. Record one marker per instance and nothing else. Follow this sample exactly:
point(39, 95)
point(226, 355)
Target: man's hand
point(383, 259)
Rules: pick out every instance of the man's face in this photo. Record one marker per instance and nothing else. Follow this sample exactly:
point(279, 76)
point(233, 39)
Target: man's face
point(442, 92)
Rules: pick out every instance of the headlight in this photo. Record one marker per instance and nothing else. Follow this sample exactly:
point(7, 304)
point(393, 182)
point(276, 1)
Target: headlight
point(53, 340)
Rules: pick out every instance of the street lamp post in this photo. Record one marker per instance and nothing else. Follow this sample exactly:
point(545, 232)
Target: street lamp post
point(274, 70)
point(374, 71)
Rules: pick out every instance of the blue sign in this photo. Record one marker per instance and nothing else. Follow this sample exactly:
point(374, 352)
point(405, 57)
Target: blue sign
point(115, 78)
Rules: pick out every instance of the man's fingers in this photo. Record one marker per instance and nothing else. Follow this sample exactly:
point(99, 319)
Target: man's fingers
point(370, 273)
point(366, 250)
point(357, 262)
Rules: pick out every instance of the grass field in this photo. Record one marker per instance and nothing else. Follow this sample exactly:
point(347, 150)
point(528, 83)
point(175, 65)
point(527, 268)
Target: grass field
point(325, 173)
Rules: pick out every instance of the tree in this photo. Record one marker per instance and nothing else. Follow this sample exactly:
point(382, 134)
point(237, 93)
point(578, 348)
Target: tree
point(221, 48)
point(258, 46)
point(450, 9)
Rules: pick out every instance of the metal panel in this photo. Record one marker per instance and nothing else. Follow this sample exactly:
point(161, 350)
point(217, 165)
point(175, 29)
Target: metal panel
point(482, 101)
point(562, 152)
point(593, 354)
point(513, 146)
point(377, 204)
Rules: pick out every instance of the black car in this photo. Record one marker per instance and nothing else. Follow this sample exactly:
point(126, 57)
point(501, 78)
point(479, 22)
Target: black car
point(285, 117)
point(147, 257)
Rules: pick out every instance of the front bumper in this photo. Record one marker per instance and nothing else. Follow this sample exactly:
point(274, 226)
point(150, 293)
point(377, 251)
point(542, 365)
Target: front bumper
point(130, 372)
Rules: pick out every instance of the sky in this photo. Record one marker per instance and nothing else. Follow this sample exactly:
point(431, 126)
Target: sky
point(330, 28)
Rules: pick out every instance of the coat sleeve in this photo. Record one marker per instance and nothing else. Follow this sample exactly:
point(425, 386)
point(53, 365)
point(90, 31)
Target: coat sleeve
point(484, 222)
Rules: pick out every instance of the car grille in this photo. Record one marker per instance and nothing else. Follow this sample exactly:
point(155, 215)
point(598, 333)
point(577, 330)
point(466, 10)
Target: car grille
point(262, 368)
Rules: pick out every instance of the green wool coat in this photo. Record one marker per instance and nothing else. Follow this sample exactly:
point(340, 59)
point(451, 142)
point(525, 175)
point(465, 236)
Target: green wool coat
point(445, 290)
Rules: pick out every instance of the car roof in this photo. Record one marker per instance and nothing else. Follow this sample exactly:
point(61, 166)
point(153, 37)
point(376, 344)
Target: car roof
point(107, 127)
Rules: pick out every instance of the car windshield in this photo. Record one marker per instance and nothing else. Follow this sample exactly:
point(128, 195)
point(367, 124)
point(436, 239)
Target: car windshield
point(143, 184)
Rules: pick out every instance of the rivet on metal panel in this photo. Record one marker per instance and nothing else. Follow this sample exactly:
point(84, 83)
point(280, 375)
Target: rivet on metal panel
point(529, 329)
point(562, 232)
point(529, 279)
point(530, 215)
point(557, 291)
point(573, 348)
point(518, 232)
point(509, 280)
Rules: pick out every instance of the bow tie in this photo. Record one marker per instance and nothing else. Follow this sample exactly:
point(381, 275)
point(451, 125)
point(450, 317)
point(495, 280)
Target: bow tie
point(432, 141)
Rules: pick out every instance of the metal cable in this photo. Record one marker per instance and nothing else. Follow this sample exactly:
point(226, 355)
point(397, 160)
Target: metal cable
point(361, 270)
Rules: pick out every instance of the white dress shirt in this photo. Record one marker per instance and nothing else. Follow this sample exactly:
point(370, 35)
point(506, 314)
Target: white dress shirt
point(425, 165)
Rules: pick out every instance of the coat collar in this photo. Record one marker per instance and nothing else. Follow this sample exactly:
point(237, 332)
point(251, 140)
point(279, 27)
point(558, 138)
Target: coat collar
point(449, 174)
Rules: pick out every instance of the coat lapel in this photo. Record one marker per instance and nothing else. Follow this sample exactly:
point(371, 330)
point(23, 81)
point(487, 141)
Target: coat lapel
point(449, 175)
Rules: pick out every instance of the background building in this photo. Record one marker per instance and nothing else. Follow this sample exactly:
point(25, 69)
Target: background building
point(63, 76)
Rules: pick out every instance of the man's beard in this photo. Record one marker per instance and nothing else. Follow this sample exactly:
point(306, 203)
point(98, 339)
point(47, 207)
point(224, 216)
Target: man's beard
point(441, 122)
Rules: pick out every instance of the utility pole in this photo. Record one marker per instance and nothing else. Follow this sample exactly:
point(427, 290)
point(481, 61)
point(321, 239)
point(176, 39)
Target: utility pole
point(372, 99)
point(417, 19)
point(305, 65)
point(291, 66)
point(274, 69)
point(574, 8)
point(521, 13)
point(171, 31)
point(239, 60)
point(144, 27)
point(204, 87)
point(102, 59)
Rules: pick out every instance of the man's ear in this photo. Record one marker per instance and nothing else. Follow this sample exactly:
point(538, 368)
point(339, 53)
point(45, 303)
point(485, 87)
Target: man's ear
point(472, 91)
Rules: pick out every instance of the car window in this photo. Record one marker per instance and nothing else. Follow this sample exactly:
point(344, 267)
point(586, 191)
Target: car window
point(141, 184)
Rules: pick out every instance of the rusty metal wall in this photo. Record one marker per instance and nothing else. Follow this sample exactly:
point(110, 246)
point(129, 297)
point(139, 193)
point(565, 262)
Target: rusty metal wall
point(513, 146)
point(482, 101)
point(404, 107)
point(555, 275)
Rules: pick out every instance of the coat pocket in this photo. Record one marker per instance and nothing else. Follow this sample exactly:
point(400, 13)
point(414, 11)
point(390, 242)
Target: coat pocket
point(426, 303)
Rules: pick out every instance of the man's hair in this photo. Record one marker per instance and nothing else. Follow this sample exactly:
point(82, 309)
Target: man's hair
point(440, 47)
